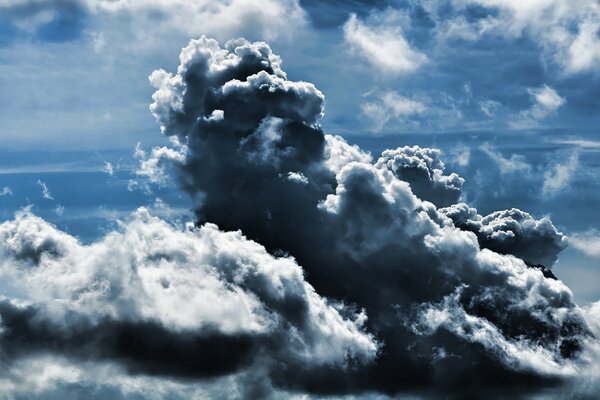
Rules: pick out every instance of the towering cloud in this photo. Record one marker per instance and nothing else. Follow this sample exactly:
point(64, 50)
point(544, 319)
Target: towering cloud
point(310, 267)
point(368, 233)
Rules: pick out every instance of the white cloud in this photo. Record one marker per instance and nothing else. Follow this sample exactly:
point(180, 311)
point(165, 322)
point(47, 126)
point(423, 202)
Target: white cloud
point(586, 242)
point(45, 191)
point(507, 165)
point(383, 46)
point(108, 168)
point(6, 191)
point(184, 280)
point(559, 176)
point(545, 102)
point(389, 105)
point(461, 155)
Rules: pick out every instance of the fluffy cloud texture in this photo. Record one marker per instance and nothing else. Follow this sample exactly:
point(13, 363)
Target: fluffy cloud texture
point(312, 266)
point(449, 293)
point(163, 301)
point(383, 45)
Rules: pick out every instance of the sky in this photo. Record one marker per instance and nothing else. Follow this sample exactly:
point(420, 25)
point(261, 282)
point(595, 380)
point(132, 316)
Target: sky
point(396, 198)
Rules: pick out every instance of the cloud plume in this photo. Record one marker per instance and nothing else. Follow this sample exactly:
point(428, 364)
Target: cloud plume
point(312, 266)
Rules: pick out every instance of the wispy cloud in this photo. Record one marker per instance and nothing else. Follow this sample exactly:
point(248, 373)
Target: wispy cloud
point(559, 176)
point(586, 242)
point(546, 101)
point(45, 191)
point(389, 105)
point(6, 191)
point(507, 165)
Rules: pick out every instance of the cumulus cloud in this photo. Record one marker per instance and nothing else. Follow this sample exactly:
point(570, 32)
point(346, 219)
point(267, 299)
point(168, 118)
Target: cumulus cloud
point(390, 105)
point(162, 301)
point(370, 234)
point(512, 232)
point(423, 169)
point(6, 191)
point(383, 45)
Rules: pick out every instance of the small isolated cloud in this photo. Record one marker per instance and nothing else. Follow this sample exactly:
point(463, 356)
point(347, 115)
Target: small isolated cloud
point(559, 176)
point(461, 155)
point(297, 177)
point(45, 191)
point(545, 103)
point(108, 168)
point(5, 191)
point(383, 46)
point(59, 210)
point(515, 163)
point(586, 242)
point(389, 105)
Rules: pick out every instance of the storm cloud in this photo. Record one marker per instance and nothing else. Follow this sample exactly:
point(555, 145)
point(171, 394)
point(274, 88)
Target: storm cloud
point(311, 263)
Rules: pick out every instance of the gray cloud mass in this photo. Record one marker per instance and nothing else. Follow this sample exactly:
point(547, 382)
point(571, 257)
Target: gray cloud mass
point(311, 268)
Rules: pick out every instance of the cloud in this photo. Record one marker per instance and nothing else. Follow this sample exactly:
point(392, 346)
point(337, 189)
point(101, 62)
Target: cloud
point(162, 301)
point(271, 18)
point(546, 102)
point(390, 105)
point(45, 191)
point(586, 242)
point(383, 46)
point(559, 176)
point(507, 165)
point(423, 169)
point(461, 155)
point(108, 168)
point(6, 191)
point(566, 33)
point(514, 232)
point(369, 233)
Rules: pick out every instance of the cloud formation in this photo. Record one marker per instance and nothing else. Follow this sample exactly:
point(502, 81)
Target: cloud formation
point(383, 45)
point(162, 301)
point(312, 267)
point(370, 233)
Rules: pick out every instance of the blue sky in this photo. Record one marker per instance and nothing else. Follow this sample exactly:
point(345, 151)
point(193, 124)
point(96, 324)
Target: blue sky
point(508, 90)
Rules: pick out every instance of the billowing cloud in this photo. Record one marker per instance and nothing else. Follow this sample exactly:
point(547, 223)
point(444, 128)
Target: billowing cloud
point(512, 232)
point(448, 293)
point(163, 301)
point(423, 169)
point(383, 46)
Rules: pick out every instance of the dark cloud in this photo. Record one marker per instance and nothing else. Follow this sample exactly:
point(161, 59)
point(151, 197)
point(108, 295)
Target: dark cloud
point(364, 234)
point(326, 273)
point(512, 232)
point(423, 169)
